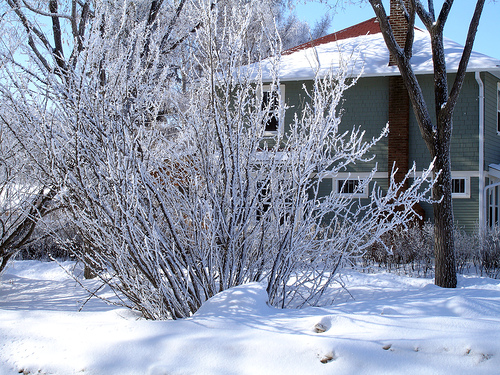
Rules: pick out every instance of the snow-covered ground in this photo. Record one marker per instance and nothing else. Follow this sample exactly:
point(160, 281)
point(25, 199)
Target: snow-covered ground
point(394, 325)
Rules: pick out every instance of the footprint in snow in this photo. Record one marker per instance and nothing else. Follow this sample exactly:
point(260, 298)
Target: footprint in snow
point(327, 357)
point(323, 325)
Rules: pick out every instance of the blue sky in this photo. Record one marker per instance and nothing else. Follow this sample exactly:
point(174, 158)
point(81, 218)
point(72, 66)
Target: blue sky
point(487, 38)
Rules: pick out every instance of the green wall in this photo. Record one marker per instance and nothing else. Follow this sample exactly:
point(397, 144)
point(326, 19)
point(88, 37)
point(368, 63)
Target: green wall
point(491, 136)
point(465, 138)
point(366, 105)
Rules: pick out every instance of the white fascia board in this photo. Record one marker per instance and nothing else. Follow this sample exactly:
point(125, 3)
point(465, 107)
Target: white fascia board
point(356, 175)
point(494, 170)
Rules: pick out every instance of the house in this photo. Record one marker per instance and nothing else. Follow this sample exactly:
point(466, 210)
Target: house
point(379, 97)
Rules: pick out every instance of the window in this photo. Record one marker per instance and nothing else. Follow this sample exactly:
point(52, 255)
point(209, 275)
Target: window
point(347, 186)
point(352, 187)
point(498, 107)
point(493, 206)
point(460, 187)
point(271, 103)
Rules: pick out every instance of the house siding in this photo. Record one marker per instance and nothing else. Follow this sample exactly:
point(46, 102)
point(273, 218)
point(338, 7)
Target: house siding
point(464, 146)
point(466, 211)
point(295, 98)
point(465, 139)
point(365, 105)
point(491, 136)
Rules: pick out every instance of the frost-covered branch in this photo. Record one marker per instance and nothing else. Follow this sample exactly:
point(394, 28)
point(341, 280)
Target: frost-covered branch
point(177, 187)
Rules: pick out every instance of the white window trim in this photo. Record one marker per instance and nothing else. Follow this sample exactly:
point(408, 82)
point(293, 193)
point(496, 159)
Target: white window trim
point(462, 175)
point(362, 194)
point(466, 175)
point(267, 88)
point(348, 176)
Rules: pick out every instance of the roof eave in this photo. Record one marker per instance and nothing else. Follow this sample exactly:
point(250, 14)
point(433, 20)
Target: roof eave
point(495, 72)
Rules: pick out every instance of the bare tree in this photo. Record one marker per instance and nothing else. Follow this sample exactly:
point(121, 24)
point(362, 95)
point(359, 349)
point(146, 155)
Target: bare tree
point(436, 133)
point(24, 200)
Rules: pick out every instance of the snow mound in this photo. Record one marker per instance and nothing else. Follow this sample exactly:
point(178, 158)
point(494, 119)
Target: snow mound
point(36, 270)
point(249, 299)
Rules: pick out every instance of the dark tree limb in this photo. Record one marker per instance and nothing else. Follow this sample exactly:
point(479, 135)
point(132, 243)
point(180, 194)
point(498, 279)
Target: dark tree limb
point(407, 73)
point(462, 68)
point(437, 136)
point(57, 33)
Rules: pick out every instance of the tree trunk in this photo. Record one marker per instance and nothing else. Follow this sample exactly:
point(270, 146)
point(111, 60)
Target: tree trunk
point(437, 138)
point(444, 245)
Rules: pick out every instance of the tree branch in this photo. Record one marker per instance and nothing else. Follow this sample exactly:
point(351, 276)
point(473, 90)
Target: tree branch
point(47, 14)
point(154, 10)
point(464, 61)
point(170, 26)
point(431, 9)
point(443, 15)
point(56, 29)
point(410, 31)
point(31, 29)
point(404, 65)
point(427, 17)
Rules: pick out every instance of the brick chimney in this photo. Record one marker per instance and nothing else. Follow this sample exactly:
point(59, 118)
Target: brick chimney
point(398, 24)
point(399, 102)
point(399, 108)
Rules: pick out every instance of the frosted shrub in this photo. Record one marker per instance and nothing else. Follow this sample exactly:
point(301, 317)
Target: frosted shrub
point(411, 252)
point(164, 164)
point(487, 259)
point(407, 250)
point(466, 250)
point(478, 252)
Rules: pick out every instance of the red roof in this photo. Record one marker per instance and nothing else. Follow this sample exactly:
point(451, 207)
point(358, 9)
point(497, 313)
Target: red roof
point(370, 26)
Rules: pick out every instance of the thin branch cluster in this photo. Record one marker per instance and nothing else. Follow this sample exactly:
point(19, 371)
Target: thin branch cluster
point(156, 140)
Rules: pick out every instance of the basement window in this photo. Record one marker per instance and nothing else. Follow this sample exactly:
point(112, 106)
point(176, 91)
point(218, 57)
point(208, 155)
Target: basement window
point(352, 187)
point(460, 187)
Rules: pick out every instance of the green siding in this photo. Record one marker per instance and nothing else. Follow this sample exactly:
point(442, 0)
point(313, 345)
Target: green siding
point(295, 97)
point(491, 136)
point(465, 138)
point(366, 105)
point(418, 150)
point(466, 210)
point(325, 187)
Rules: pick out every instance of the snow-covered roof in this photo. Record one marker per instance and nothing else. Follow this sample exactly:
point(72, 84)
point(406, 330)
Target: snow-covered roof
point(362, 50)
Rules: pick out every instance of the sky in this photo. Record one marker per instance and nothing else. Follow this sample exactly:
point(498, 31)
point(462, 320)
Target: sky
point(487, 38)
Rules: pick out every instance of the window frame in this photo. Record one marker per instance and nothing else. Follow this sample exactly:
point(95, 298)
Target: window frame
point(281, 98)
point(467, 188)
point(339, 182)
